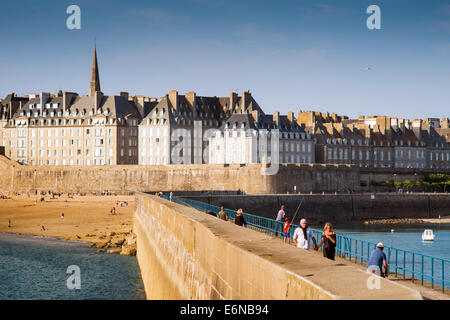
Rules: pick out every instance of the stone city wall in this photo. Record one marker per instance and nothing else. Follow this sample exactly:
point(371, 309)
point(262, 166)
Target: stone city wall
point(338, 208)
point(129, 178)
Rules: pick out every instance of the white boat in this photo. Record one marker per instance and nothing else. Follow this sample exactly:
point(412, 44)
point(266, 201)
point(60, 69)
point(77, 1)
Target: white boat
point(428, 235)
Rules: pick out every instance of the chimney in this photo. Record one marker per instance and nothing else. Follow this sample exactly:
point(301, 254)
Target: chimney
point(255, 115)
point(173, 99)
point(190, 97)
point(246, 97)
point(124, 94)
point(139, 102)
point(44, 97)
point(67, 99)
point(233, 100)
point(368, 132)
point(290, 116)
point(276, 118)
point(98, 96)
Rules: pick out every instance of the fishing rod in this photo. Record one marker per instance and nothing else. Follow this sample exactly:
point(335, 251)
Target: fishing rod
point(297, 210)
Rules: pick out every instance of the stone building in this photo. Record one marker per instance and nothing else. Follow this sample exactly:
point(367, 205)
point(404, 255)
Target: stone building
point(68, 129)
point(257, 138)
point(178, 128)
point(378, 142)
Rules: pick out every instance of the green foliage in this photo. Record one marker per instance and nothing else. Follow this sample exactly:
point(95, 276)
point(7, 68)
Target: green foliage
point(431, 182)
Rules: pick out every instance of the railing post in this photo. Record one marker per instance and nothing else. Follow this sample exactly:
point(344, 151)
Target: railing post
point(443, 278)
point(421, 272)
point(404, 264)
point(362, 251)
point(350, 250)
point(413, 268)
point(432, 273)
point(396, 260)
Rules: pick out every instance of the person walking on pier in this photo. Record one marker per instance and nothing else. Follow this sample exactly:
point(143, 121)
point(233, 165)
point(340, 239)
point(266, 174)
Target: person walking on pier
point(303, 236)
point(222, 214)
point(328, 241)
point(280, 217)
point(239, 220)
point(377, 260)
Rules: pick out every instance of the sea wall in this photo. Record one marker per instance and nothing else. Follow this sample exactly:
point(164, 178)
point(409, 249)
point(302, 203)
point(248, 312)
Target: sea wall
point(129, 178)
point(186, 254)
point(338, 208)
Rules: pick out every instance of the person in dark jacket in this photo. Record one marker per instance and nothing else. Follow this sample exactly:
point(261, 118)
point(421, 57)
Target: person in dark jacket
point(239, 220)
point(328, 241)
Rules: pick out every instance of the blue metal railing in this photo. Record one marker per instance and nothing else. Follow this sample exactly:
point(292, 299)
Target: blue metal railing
point(407, 264)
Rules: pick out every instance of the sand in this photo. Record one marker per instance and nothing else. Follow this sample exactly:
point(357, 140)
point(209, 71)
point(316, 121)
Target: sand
point(445, 219)
point(86, 218)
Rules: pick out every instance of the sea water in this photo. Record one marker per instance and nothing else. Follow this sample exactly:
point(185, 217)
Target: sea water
point(403, 236)
point(408, 237)
point(37, 268)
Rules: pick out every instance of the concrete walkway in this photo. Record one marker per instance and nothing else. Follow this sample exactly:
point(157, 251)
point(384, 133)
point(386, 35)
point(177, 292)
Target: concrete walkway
point(341, 279)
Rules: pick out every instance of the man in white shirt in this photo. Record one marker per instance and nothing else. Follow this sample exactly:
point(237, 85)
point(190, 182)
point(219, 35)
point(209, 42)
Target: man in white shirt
point(303, 235)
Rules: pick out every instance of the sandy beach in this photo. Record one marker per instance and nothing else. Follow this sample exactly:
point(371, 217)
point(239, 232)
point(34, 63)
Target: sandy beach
point(86, 218)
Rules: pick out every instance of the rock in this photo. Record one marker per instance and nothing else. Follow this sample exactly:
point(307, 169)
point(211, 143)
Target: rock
point(112, 234)
point(100, 250)
point(128, 251)
point(78, 237)
point(131, 240)
point(115, 250)
point(118, 242)
point(101, 244)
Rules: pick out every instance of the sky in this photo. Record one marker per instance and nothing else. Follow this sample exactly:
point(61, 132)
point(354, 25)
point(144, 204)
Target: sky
point(291, 54)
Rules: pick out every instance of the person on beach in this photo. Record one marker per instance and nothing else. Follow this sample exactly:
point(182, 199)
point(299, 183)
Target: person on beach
point(377, 260)
point(9, 223)
point(239, 220)
point(42, 228)
point(303, 236)
point(328, 241)
point(222, 214)
point(62, 215)
point(287, 230)
point(280, 217)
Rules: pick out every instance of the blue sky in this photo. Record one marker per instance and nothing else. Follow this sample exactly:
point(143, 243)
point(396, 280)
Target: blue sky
point(290, 54)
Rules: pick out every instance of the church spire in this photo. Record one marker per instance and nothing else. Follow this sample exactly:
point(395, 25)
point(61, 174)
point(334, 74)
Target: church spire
point(95, 79)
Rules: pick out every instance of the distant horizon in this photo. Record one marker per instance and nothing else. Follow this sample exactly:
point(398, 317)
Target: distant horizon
point(298, 55)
